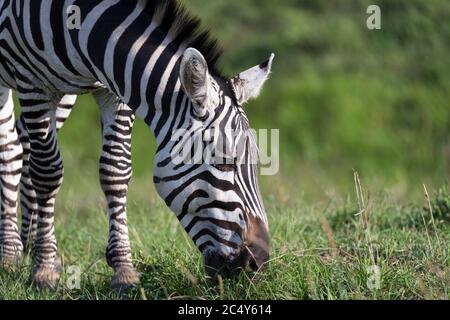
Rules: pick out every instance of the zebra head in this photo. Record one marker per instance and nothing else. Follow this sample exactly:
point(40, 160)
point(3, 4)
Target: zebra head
point(210, 178)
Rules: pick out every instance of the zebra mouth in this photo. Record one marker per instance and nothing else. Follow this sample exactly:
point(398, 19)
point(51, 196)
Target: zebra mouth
point(248, 259)
point(250, 256)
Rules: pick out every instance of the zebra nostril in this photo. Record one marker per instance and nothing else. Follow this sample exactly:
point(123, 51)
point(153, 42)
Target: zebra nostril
point(252, 265)
point(256, 258)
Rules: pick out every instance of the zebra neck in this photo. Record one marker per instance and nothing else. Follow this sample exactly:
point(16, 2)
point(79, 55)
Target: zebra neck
point(136, 56)
point(164, 98)
point(171, 113)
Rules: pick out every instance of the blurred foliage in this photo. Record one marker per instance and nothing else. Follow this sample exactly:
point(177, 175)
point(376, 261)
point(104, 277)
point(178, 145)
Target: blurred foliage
point(342, 96)
point(441, 204)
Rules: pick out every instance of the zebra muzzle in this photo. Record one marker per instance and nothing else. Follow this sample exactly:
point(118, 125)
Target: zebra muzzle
point(251, 258)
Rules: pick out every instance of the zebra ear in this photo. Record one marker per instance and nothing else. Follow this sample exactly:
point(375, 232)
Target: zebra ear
point(194, 77)
point(248, 84)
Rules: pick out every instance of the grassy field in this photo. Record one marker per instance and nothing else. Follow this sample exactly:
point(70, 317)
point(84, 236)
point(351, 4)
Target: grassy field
point(330, 250)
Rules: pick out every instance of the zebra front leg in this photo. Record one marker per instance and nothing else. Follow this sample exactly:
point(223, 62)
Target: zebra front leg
point(115, 173)
point(46, 173)
point(28, 199)
point(10, 167)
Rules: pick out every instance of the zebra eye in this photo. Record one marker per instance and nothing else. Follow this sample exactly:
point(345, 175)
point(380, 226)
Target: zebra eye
point(225, 166)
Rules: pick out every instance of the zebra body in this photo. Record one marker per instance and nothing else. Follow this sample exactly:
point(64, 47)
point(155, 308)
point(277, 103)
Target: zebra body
point(136, 57)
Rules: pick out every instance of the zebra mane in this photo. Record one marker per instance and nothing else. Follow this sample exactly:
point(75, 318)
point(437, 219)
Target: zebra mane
point(188, 30)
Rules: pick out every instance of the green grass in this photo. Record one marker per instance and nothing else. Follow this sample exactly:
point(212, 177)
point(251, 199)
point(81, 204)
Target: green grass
point(319, 251)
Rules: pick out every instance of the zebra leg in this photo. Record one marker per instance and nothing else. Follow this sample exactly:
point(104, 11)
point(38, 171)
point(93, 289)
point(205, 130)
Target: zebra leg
point(10, 167)
point(115, 174)
point(28, 199)
point(46, 173)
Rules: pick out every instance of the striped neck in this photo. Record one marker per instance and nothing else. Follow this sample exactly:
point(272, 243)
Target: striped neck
point(135, 47)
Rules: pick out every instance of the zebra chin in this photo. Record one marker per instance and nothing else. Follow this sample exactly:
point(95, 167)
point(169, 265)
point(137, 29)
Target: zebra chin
point(252, 256)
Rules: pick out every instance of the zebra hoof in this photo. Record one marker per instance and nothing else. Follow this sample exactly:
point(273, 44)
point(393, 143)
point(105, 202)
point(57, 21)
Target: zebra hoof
point(10, 257)
point(58, 265)
point(46, 278)
point(125, 280)
point(10, 262)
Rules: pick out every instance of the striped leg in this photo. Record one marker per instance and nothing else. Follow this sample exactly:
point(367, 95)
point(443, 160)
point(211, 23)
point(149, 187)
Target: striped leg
point(28, 199)
point(46, 173)
point(115, 174)
point(10, 167)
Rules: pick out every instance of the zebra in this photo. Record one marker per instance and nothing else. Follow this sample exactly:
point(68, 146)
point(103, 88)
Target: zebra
point(137, 57)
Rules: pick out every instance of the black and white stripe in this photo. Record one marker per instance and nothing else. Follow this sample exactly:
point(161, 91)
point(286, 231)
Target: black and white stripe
point(137, 57)
point(10, 166)
point(28, 201)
